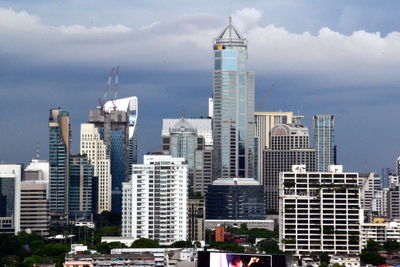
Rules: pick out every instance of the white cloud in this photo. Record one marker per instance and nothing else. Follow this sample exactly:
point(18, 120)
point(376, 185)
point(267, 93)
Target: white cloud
point(185, 44)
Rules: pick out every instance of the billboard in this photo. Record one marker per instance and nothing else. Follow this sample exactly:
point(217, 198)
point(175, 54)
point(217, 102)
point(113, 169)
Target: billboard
point(228, 259)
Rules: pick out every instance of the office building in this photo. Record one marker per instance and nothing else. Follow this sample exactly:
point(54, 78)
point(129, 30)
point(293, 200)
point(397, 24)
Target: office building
point(10, 198)
point(380, 232)
point(186, 140)
point(385, 177)
point(96, 151)
point(288, 146)
point(80, 192)
point(196, 218)
point(117, 125)
point(380, 203)
point(319, 212)
point(264, 122)
point(370, 184)
point(324, 141)
point(35, 206)
point(155, 200)
point(59, 159)
point(235, 199)
point(233, 107)
point(394, 202)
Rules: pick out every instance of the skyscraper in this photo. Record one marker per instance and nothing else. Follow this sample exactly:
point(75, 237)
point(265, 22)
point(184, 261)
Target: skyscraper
point(288, 146)
point(59, 159)
point(233, 107)
point(324, 142)
point(94, 147)
point(155, 200)
point(264, 122)
point(190, 139)
point(117, 123)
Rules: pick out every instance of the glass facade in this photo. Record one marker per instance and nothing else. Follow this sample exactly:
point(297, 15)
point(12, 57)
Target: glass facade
point(80, 193)
point(235, 202)
point(324, 142)
point(7, 196)
point(59, 156)
point(233, 96)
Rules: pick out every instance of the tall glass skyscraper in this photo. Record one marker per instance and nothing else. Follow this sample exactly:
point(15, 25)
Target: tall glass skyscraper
point(233, 97)
point(324, 141)
point(59, 159)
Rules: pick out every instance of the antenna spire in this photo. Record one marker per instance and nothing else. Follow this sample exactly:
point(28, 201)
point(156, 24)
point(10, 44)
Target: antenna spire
point(37, 150)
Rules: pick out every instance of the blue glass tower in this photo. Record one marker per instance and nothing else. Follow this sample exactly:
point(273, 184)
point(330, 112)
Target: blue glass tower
point(59, 158)
point(233, 96)
point(324, 141)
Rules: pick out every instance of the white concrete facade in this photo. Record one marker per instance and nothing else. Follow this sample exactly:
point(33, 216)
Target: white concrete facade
point(319, 212)
point(154, 201)
point(96, 151)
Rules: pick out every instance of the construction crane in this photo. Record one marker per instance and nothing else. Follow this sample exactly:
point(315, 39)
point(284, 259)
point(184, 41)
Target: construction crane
point(267, 94)
point(116, 87)
point(114, 73)
point(102, 101)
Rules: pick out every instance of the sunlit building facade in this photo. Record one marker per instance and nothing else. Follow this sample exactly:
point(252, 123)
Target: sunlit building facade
point(233, 107)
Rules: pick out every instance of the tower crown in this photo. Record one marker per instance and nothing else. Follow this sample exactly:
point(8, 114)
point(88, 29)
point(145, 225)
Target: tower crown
point(230, 36)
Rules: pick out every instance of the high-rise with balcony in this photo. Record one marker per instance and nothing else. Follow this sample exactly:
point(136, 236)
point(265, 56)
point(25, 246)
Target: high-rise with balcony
point(154, 202)
point(324, 141)
point(59, 159)
point(319, 212)
point(233, 107)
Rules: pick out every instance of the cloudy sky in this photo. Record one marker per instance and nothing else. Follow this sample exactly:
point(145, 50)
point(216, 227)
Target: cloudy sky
point(339, 57)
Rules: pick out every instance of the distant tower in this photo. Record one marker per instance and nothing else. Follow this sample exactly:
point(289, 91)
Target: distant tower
point(59, 159)
point(117, 126)
point(288, 146)
point(233, 107)
point(185, 139)
point(324, 141)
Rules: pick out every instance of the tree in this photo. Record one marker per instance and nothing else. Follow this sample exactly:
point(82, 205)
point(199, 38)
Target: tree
point(392, 246)
point(181, 244)
point(229, 247)
point(145, 243)
point(370, 255)
point(105, 248)
point(324, 258)
point(269, 246)
point(108, 218)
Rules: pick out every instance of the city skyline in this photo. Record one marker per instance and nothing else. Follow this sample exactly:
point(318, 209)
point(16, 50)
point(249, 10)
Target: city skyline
point(349, 98)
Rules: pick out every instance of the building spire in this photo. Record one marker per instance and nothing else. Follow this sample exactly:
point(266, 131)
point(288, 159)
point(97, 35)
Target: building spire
point(37, 150)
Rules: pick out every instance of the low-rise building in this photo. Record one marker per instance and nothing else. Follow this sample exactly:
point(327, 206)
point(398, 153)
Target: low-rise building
point(97, 260)
point(261, 224)
point(380, 232)
point(352, 260)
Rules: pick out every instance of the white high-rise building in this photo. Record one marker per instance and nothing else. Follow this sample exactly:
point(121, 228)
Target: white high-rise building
point(319, 212)
point(10, 198)
point(154, 201)
point(369, 183)
point(93, 146)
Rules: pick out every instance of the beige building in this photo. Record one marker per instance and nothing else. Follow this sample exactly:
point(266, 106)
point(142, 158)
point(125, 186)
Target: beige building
point(35, 207)
point(264, 122)
point(96, 151)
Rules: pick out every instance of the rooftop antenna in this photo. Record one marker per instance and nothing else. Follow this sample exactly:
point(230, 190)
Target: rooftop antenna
point(37, 150)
